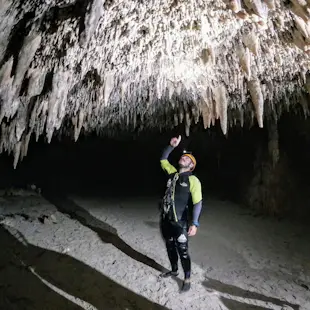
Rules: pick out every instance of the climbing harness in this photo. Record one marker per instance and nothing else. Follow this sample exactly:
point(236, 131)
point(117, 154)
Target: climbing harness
point(168, 200)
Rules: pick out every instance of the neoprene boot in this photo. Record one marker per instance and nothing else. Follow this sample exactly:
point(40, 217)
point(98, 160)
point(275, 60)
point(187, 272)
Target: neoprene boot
point(186, 285)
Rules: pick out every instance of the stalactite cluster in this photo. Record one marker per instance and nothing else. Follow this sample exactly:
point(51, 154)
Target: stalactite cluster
point(102, 64)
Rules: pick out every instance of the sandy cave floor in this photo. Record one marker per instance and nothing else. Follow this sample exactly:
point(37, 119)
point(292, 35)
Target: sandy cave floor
point(72, 252)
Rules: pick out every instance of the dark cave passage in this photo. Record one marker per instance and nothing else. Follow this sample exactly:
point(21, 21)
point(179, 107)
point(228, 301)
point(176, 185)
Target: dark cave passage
point(130, 166)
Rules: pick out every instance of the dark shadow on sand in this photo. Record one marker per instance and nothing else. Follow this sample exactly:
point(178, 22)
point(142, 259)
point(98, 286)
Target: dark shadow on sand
point(107, 233)
point(151, 224)
point(237, 305)
point(21, 289)
point(212, 284)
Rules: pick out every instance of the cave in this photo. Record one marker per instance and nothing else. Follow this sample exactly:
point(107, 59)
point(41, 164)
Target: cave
point(91, 94)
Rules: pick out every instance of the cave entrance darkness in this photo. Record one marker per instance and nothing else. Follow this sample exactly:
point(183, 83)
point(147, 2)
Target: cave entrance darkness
point(129, 165)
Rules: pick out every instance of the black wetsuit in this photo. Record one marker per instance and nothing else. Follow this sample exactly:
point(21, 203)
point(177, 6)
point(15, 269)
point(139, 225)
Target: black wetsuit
point(175, 217)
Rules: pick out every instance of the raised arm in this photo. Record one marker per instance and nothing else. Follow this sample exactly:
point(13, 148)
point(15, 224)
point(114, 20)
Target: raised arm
point(164, 162)
point(166, 152)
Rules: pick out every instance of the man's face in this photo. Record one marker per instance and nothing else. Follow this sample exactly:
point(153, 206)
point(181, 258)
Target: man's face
point(185, 162)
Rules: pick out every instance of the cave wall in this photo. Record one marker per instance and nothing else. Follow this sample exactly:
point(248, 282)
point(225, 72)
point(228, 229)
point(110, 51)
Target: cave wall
point(279, 184)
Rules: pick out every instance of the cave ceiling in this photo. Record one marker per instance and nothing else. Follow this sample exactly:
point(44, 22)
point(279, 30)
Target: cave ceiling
point(84, 66)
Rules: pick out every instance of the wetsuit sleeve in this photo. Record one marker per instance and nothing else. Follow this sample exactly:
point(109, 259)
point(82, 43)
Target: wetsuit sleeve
point(196, 213)
point(164, 162)
point(195, 189)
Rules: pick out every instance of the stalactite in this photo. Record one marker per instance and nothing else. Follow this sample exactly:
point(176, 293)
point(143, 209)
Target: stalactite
point(179, 89)
point(212, 55)
point(78, 124)
point(170, 89)
point(302, 26)
point(258, 100)
point(176, 120)
point(5, 73)
point(245, 61)
point(241, 117)
point(12, 134)
point(92, 19)
point(108, 87)
point(20, 122)
point(213, 117)
point(6, 82)
point(196, 114)
point(17, 150)
point(36, 78)
point(258, 6)
point(127, 119)
point(235, 5)
point(26, 144)
point(88, 61)
point(181, 116)
point(251, 41)
point(242, 14)
point(220, 96)
point(31, 44)
point(299, 10)
point(187, 124)
point(206, 116)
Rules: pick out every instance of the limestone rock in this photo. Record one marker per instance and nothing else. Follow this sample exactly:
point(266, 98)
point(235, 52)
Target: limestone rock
point(75, 66)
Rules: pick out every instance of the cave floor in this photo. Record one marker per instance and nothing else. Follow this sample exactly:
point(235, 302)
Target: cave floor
point(71, 252)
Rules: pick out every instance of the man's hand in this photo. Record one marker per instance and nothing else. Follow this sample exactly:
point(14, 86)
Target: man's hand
point(174, 142)
point(192, 230)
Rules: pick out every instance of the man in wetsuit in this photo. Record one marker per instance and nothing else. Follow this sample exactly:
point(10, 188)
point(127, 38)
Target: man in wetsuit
point(183, 188)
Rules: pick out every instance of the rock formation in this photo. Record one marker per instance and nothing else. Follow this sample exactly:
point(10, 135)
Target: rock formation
point(85, 65)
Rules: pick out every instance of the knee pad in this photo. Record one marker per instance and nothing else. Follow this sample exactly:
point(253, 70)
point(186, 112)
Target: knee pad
point(183, 249)
point(182, 239)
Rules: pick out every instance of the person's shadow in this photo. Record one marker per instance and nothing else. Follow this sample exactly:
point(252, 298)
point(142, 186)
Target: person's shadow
point(23, 264)
point(107, 233)
point(212, 284)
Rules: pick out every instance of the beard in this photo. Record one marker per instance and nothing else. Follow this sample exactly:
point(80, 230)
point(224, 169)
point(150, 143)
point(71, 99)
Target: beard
point(184, 166)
